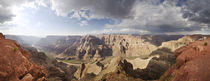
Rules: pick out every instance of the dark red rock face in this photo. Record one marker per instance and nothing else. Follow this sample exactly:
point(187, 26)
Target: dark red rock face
point(15, 64)
point(192, 63)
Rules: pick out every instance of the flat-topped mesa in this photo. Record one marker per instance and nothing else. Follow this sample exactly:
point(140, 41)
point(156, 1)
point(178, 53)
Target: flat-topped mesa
point(15, 64)
point(175, 44)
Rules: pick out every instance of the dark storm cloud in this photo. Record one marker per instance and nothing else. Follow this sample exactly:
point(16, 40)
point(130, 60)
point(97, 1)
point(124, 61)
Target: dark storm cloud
point(197, 10)
point(117, 8)
point(98, 8)
point(5, 15)
point(5, 12)
point(165, 28)
point(167, 16)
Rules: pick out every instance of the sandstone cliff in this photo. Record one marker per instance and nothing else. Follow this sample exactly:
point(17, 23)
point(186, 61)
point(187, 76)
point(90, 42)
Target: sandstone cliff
point(88, 47)
point(85, 47)
point(128, 45)
point(15, 64)
point(98, 46)
point(67, 45)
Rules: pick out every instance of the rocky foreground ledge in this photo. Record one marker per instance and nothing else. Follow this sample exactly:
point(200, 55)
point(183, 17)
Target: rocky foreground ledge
point(192, 63)
point(15, 64)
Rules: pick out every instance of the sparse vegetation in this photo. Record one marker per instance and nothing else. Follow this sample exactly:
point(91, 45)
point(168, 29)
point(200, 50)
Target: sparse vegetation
point(162, 51)
point(76, 61)
point(140, 56)
point(106, 60)
point(15, 49)
point(165, 78)
point(118, 71)
point(50, 56)
point(205, 44)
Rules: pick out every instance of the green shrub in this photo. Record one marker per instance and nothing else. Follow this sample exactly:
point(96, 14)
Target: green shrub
point(205, 44)
point(118, 71)
point(15, 49)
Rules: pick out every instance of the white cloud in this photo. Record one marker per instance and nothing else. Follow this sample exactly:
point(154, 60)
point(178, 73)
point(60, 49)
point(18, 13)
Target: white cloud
point(83, 23)
point(157, 18)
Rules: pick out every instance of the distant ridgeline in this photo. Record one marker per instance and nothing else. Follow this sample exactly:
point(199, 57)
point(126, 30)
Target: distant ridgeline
point(89, 46)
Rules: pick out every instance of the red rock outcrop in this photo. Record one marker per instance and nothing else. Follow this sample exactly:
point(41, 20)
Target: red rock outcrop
point(15, 64)
point(192, 63)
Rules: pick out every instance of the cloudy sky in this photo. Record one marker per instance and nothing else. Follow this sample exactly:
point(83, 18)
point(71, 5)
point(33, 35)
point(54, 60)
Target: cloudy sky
point(70, 17)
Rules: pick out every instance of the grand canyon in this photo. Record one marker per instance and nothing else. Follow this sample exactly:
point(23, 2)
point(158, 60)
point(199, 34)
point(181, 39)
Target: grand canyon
point(104, 40)
point(105, 57)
